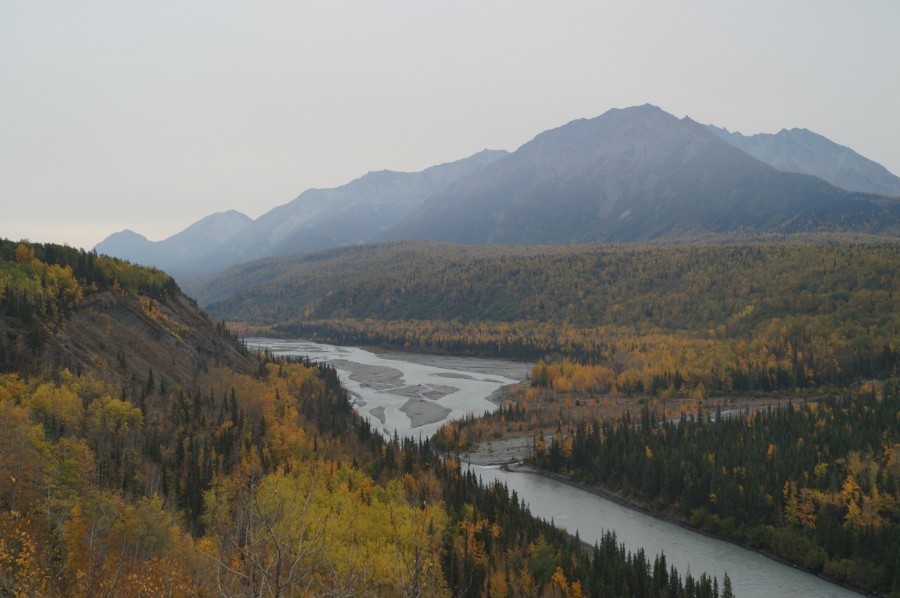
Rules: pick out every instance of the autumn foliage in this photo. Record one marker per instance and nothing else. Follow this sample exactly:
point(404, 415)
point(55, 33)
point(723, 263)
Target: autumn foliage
point(238, 475)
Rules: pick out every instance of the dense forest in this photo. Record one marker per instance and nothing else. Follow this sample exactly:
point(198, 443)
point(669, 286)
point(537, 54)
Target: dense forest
point(815, 483)
point(671, 287)
point(240, 475)
point(657, 320)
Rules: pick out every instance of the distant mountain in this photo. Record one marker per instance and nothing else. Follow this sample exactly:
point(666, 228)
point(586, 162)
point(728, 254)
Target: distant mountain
point(348, 215)
point(204, 236)
point(636, 174)
point(317, 219)
point(633, 174)
point(801, 150)
point(131, 246)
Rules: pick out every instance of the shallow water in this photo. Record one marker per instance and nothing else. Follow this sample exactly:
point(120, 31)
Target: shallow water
point(413, 397)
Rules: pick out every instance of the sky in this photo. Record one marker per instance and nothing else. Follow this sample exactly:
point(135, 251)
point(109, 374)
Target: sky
point(152, 115)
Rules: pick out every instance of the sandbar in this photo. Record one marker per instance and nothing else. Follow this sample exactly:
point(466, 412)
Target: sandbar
point(421, 412)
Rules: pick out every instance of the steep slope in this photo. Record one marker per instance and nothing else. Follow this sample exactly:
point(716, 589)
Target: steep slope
point(93, 314)
point(635, 174)
point(805, 152)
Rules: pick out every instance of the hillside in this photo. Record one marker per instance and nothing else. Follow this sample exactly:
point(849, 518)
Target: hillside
point(805, 152)
point(668, 320)
point(674, 286)
point(636, 174)
point(65, 308)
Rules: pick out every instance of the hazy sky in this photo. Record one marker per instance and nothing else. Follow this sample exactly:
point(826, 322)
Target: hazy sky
point(151, 115)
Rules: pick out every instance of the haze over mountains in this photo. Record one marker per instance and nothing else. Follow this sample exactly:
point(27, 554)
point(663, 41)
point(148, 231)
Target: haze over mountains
point(316, 219)
point(637, 174)
point(633, 174)
point(801, 150)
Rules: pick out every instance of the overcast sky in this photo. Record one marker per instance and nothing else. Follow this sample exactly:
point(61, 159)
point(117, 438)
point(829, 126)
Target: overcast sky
point(151, 115)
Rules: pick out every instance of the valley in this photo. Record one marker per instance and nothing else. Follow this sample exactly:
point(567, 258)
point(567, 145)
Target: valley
point(639, 305)
point(774, 334)
point(217, 471)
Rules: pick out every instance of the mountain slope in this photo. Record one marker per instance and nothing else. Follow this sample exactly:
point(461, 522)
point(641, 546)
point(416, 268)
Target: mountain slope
point(635, 174)
point(691, 287)
point(94, 314)
point(805, 152)
point(346, 215)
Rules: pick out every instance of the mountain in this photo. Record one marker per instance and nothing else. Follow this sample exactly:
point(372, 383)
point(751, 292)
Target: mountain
point(636, 174)
point(348, 215)
point(204, 236)
point(131, 246)
point(317, 219)
point(801, 150)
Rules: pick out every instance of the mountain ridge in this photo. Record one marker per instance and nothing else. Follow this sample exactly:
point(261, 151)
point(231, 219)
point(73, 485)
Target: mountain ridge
point(630, 174)
point(634, 174)
point(804, 151)
point(316, 219)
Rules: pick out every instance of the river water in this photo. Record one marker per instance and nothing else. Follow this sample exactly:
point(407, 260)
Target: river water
point(412, 395)
point(415, 394)
point(752, 575)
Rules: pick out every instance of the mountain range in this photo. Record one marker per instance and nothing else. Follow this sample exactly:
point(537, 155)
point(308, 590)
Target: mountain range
point(632, 174)
point(317, 219)
point(636, 174)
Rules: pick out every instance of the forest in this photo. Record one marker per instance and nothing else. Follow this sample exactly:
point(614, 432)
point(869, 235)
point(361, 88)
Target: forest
point(244, 475)
point(817, 483)
point(663, 321)
point(635, 350)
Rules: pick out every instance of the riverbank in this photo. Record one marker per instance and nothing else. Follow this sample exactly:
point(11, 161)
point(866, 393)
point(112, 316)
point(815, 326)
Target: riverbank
point(670, 518)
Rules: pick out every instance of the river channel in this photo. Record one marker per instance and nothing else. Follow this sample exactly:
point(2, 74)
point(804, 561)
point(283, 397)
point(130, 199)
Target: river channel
point(416, 394)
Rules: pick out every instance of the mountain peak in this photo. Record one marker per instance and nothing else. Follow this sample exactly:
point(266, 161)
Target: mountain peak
point(630, 174)
point(127, 233)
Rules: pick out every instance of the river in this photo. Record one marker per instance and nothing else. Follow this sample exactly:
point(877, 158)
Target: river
point(415, 394)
